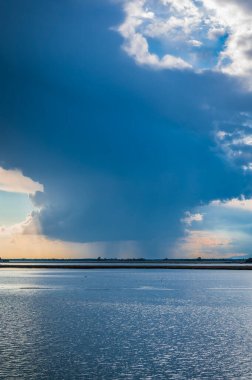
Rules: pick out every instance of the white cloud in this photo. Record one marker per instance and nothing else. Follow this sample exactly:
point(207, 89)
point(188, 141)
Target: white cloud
point(206, 34)
point(29, 226)
point(195, 43)
point(241, 204)
point(234, 139)
point(15, 181)
point(190, 218)
point(139, 23)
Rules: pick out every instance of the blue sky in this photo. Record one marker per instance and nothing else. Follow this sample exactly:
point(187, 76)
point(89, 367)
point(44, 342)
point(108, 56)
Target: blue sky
point(111, 144)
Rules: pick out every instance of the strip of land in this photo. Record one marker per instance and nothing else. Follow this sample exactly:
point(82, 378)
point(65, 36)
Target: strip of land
point(128, 266)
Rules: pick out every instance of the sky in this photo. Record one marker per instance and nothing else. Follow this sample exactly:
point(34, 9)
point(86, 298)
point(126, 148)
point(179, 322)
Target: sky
point(126, 128)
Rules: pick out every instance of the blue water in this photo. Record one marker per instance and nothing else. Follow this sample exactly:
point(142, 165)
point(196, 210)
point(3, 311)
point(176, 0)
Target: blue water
point(125, 324)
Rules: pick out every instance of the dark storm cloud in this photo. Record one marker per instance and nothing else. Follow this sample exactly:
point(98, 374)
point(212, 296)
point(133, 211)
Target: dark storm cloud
point(122, 151)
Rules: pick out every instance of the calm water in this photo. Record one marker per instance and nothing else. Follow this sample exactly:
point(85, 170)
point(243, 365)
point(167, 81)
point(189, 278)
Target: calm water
point(125, 324)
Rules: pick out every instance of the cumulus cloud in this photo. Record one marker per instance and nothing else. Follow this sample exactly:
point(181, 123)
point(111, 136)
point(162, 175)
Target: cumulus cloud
point(190, 218)
point(29, 226)
point(136, 44)
point(234, 138)
point(207, 34)
point(15, 181)
point(241, 204)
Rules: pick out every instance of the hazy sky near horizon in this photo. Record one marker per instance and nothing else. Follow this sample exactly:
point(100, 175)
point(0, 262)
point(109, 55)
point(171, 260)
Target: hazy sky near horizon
point(126, 128)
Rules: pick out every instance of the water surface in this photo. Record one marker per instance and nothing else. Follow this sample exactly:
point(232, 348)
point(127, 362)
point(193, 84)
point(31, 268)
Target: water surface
point(125, 324)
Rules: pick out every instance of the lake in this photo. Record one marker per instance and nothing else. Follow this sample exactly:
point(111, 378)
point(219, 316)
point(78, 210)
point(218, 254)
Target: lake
point(125, 324)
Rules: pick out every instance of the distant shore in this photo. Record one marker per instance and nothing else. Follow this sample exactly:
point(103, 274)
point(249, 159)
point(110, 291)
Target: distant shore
point(142, 263)
point(125, 266)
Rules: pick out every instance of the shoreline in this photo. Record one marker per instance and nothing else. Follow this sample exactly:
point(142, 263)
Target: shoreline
point(129, 266)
